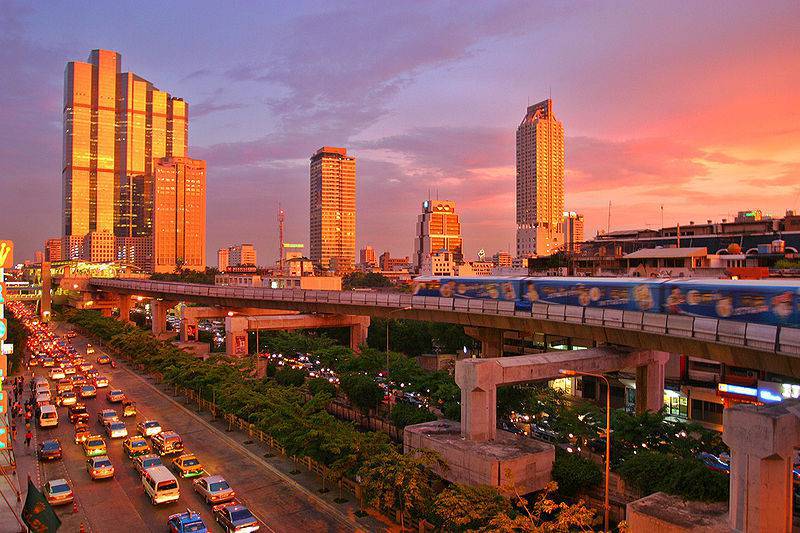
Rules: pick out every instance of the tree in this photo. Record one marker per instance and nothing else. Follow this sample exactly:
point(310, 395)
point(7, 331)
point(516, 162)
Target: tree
point(573, 473)
point(321, 386)
point(361, 391)
point(466, 508)
point(400, 481)
point(544, 516)
point(404, 414)
point(290, 376)
point(365, 280)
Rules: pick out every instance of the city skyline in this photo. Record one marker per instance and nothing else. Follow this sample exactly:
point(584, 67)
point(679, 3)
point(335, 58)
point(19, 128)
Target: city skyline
point(663, 117)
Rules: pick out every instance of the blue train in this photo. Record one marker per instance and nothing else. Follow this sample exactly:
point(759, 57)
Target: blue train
point(774, 302)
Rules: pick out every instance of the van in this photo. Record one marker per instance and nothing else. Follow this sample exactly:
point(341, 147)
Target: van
point(48, 416)
point(160, 485)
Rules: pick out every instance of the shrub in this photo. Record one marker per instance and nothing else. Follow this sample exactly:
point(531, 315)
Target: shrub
point(290, 376)
point(574, 473)
point(404, 414)
point(653, 472)
point(362, 391)
point(321, 385)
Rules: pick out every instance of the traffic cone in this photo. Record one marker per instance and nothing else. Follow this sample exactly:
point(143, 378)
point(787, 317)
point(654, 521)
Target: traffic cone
point(82, 529)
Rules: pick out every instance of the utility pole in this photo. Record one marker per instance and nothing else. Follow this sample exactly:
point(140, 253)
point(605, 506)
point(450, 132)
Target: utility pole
point(280, 237)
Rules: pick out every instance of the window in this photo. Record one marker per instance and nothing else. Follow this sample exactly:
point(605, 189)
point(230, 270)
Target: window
point(707, 411)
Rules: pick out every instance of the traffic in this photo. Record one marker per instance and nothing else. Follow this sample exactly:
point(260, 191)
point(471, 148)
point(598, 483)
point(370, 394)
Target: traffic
point(61, 402)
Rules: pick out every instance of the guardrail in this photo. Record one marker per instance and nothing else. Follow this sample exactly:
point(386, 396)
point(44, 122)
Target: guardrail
point(785, 340)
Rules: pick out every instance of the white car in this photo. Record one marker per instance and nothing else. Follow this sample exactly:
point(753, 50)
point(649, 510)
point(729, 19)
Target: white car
point(148, 428)
point(57, 373)
point(116, 429)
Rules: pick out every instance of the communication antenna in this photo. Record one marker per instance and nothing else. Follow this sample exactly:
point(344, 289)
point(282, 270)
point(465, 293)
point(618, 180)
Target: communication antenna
point(608, 224)
point(662, 216)
point(281, 216)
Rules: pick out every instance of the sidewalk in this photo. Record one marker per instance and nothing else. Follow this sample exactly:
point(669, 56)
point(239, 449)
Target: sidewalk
point(10, 482)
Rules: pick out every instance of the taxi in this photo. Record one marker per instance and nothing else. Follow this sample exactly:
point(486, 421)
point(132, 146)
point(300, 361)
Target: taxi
point(187, 465)
point(94, 445)
point(135, 446)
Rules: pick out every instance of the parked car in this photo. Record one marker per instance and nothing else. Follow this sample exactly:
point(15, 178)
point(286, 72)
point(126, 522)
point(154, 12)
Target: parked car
point(235, 517)
point(50, 450)
point(214, 489)
point(186, 522)
point(58, 492)
point(100, 467)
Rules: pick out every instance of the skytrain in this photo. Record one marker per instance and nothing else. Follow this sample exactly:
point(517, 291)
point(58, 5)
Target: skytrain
point(773, 302)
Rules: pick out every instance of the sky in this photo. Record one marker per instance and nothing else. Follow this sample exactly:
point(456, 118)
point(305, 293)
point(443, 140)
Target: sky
point(693, 106)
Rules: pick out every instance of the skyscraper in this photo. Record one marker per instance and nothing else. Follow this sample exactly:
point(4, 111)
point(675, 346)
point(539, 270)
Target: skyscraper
point(242, 254)
point(573, 231)
point(540, 181)
point(368, 256)
point(179, 214)
point(438, 228)
point(333, 208)
point(223, 259)
point(116, 125)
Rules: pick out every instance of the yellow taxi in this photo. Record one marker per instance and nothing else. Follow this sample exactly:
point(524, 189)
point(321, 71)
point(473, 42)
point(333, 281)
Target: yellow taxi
point(135, 446)
point(187, 465)
point(94, 445)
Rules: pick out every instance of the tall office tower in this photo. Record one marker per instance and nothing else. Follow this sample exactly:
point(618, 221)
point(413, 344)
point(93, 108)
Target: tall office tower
point(368, 256)
point(438, 228)
point(333, 208)
point(223, 259)
point(540, 181)
point(242, 254)
point(179, 214)
point(573, 231)
point(115, 126)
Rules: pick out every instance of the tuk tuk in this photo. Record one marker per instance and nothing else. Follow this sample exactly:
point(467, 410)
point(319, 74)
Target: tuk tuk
point(128, 408)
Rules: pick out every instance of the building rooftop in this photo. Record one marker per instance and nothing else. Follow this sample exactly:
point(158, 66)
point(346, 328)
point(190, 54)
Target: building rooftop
point(666, 253)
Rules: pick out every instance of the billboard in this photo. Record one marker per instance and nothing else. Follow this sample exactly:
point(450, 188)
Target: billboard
point(6, 254)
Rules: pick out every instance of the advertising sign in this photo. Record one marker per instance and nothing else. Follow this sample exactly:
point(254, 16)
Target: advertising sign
point(6, 254)
point(3, 329)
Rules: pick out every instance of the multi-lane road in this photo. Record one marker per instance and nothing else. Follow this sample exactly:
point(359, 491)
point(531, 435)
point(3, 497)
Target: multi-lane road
point(120, 504)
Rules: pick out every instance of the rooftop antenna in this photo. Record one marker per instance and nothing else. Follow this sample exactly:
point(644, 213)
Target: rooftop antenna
point(662, 216)
point(281, 216)
point(608, 224)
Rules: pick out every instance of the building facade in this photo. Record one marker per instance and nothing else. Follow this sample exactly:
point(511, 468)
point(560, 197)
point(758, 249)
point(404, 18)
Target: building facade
point(438, 228)
point(223, 259)
point(116, 126)
point(333, 208)
point(502, 259)
point(573, 231)
point(53, 250)
point(540, 181)
point(179, 214)
point(242, 254)
point(136, 251)
point(367, 257)
point(387, 262)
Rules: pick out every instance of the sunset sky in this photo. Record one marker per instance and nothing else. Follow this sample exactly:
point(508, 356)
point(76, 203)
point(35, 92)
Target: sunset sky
point(691, 105)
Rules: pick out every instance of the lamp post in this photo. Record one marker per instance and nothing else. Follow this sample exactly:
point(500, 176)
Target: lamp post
point(387, 334)
point(606, 506)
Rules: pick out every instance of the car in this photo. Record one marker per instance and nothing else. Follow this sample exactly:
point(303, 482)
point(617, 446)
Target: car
point(214, 489)
point(63, 385)
point(33, 361)
point(107, 415)
point(115, 396)
point(103, 359)
point(50, 450)
point(235, 517)
point(67, 398)
point(82, 432)
point(167, 443)
point(56, 373)
point(88, 391)
point(186, 522)
point(101, 382)
point(89, 349)
point(116, 429)
point(100, 467)
point(714, 463)
point(48, 362)
point(58, 492)
point(92, 373)
point(70, 370)
point(143, 462)
point(135, 446)
point(148, 428)
point(94, 445)
point(187, 465)
point(77, 411)
point(43, 398)
point(128, 409)
point(85, 366)
point(77, 381)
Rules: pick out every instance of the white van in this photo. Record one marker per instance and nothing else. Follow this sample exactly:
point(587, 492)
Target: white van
point(48, 416)
point(160, 485)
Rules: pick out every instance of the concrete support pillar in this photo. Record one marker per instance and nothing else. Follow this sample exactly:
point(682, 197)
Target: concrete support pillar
point(650, 383)
point(358, 333)
point(125, 308)
point(762, 441)
point(189, 331)
point(47, 285)
point(478, 385)
point(158, 315)
point(236, 336)
point(105, 312)
point(491, 340)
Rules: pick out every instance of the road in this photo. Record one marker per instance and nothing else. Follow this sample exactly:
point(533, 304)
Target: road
point(120, 504)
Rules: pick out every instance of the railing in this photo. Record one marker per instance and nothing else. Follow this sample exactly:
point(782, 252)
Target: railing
point(785, 340)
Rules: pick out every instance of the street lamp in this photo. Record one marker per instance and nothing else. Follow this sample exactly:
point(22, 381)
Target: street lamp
point(387, 334)
point(606, 506)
